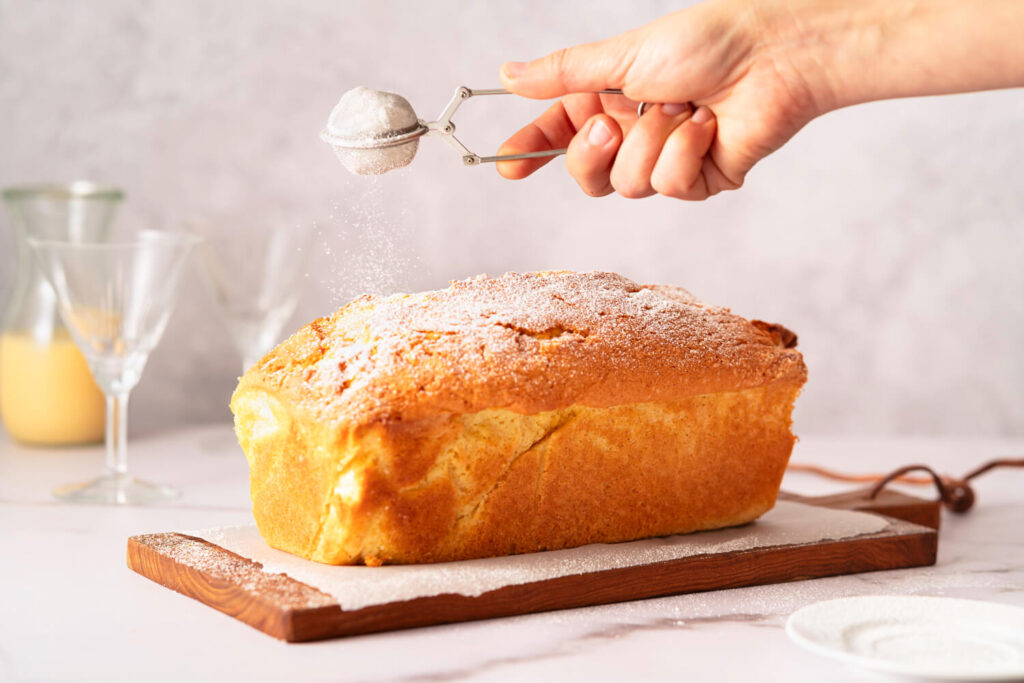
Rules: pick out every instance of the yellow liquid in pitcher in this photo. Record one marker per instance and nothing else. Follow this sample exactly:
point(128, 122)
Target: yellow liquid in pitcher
point(47, 394)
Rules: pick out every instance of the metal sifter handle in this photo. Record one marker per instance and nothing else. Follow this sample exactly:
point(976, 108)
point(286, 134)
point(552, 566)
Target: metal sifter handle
point(443, 127)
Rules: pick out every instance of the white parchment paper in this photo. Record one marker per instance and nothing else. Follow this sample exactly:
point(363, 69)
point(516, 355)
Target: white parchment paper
point(357, 587)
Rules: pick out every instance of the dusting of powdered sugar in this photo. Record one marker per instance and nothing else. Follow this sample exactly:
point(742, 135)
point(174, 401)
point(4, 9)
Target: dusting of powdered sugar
point(531, 342)
point(208, 557)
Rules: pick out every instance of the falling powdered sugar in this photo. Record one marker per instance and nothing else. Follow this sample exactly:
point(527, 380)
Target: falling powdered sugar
point(362, 243)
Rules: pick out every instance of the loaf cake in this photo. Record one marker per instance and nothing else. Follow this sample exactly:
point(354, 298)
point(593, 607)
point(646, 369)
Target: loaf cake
point(515, 414)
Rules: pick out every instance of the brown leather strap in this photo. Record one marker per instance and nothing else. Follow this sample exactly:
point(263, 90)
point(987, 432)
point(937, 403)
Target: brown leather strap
point(956, 494)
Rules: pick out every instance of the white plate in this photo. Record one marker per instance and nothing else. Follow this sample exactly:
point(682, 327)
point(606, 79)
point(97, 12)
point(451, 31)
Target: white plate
point(941, 638)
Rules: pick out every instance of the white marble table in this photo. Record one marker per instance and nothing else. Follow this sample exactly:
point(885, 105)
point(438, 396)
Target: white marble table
point(71, 610)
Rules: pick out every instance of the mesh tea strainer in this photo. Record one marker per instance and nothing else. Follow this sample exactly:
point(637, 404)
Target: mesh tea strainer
point(374, 132)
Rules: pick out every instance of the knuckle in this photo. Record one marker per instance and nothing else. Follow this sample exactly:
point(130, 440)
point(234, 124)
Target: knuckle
point(671, 186)
point(723, 184)
point(691, 195)
point(628, 185)
point(559, 61)
point(661, 185)
point(729, 180)
point(632, 191)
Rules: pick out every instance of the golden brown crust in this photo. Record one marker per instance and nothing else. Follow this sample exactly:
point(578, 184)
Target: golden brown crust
point(514, 414)
point(524, 342)
point(570, 477)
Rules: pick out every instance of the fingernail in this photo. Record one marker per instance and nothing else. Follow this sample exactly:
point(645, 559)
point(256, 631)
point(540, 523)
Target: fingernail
point(675, 108)
point(514, 69)
point(599, 134)
point(702, 115)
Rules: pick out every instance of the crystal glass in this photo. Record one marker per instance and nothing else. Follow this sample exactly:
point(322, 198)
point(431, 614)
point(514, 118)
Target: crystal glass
point(255, 272)
point(115, 299)
point(47, 395)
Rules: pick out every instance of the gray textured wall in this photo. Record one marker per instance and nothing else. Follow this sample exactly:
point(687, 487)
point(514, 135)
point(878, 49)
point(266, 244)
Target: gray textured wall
point(889, 235)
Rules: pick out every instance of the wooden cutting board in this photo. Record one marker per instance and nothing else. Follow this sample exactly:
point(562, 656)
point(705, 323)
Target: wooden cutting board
point(294, 611)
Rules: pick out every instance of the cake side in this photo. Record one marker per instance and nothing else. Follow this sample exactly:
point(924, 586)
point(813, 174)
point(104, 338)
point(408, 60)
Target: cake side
point(498, 482)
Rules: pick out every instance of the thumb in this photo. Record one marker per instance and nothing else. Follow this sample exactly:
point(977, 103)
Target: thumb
point(584, 68)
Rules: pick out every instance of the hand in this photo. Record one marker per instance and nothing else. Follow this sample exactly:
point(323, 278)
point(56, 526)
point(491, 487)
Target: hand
point(747, 101)
point(756, 72)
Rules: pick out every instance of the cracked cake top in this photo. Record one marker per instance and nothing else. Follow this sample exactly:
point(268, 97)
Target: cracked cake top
point(527, 342)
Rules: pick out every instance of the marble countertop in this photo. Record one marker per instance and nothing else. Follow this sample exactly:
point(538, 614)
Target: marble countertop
point(72, 610)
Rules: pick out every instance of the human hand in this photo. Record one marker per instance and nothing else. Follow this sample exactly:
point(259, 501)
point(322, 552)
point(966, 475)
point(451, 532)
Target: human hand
point(757, 71)
point(748, 99)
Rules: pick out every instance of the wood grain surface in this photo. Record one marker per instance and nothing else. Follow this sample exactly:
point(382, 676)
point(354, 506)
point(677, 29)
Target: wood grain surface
point(293, 611)
point(888, 502)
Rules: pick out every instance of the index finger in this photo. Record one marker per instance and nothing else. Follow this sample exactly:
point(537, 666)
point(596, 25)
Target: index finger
point(583, 68)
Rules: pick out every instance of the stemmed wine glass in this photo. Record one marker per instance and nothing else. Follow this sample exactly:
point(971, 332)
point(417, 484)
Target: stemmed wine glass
point(115, 298)
point(255, 276)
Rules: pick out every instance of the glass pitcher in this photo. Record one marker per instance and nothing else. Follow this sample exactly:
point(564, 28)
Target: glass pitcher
point(47, 394)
